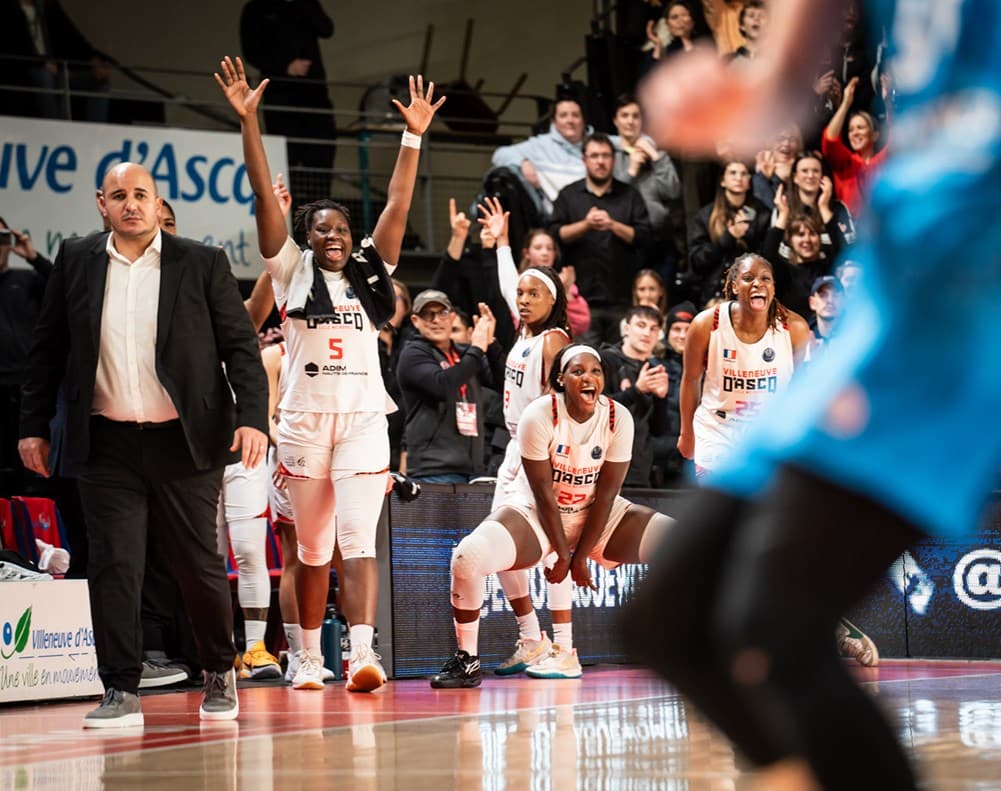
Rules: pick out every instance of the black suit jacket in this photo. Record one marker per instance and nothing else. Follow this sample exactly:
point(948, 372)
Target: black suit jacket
point(201, 322)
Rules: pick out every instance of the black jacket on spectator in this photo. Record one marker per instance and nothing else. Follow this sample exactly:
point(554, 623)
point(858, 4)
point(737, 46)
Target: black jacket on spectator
point(649, 412)
point(605, 264)
point(430, 390)
point(709, 260)
point(794, 281)
point(665, 446)
point(21, 292)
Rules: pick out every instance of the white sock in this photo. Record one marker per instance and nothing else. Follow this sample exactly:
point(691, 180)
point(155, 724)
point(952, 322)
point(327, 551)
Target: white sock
point(563, 635)
point(528, 626)
point(293, 634)
point(254, 632)
point(311, 641)
point(361, 636)
point(467, 635)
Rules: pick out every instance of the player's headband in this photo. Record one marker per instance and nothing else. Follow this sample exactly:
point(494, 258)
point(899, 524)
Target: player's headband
point(572, 351)
point(538, 274)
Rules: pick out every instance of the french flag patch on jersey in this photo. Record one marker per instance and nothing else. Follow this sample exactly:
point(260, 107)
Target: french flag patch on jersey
point(730, 355)
point(562, 450)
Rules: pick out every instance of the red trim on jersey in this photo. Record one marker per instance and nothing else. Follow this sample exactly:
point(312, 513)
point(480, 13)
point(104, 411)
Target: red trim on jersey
point(283, 470)
point(611, 415)
point(556, 410)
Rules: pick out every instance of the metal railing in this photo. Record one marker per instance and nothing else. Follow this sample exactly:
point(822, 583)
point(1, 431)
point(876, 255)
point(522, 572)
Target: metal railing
point(456, 154)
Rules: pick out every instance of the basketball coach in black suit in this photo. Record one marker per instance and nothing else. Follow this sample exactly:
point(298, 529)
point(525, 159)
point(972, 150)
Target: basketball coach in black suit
point(139, 323)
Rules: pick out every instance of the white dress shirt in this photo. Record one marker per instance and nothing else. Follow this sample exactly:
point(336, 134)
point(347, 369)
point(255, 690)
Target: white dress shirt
point(127, 387)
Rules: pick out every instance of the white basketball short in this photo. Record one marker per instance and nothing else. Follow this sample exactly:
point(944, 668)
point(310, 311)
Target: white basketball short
point(244, 493)
point(331, 444)
point(715, 437)
point(572, 526)
point(278, 499)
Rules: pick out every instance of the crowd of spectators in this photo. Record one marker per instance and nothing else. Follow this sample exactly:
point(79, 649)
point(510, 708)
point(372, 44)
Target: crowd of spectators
point(641, 237)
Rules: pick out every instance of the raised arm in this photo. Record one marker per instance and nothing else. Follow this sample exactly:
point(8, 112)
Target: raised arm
point(392, 224)
point(837, 122)
point(271, 230)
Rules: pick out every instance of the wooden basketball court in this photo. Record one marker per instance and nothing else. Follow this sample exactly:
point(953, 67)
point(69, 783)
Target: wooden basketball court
point(616, 728)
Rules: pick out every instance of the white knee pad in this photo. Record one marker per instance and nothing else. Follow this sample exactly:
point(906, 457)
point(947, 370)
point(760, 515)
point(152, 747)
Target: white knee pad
point(488, 549)
point(560, 594)
point(655, 529)
point(359, 501)
point(247, 537)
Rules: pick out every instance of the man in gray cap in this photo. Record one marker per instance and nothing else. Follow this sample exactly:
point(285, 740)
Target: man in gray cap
point(441, 385)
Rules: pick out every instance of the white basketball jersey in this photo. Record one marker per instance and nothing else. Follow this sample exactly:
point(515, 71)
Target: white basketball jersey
point(523, 373)
point(740, 379)
point(576, 451)
point(333, 363)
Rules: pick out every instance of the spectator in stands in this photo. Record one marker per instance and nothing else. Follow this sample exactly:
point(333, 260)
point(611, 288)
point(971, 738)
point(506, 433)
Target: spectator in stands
point(667, 457)
point(810, 191)
point(281, 38)
point(677, 31)
point(852, 164)
point(21, 292)
point(848, 273)
point(826, 298)
point(793, 246)
point(752, 21)
point(638, 162)
point(735, 223)
point(724, 20)
point(601, 224)
point(548, 162)
point(441, 384)
point(42, 30)
point(648, 289)
point(773, 166)
point(638, 381)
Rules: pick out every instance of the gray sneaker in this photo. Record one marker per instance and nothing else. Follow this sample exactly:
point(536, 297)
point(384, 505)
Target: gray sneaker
point(219, 701)
point(118, 709)
point(159, 672)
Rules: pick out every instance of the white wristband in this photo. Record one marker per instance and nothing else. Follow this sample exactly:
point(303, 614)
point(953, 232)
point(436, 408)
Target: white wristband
point(410, 140)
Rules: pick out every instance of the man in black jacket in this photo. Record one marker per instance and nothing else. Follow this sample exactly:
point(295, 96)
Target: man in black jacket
point(441, 383)
point(666, 456)
point(139, 324)
point(639, 382)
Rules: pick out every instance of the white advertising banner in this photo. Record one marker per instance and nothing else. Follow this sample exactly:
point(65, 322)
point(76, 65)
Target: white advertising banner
point(50, 171)
point(46, 641)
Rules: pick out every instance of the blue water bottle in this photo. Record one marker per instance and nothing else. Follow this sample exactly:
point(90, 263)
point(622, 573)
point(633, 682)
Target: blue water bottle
point(330, 643)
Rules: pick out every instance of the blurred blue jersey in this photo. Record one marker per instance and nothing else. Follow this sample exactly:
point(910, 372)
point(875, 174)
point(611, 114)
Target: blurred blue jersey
point(903, 404)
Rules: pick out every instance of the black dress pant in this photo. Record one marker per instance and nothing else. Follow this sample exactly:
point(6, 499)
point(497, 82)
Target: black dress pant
point(140, 482)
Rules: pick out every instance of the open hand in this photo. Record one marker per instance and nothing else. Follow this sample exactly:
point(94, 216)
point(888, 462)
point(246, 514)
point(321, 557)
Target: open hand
point(420, 111)
point(252, 444)
point(495, 218)
point(236, 88)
